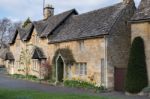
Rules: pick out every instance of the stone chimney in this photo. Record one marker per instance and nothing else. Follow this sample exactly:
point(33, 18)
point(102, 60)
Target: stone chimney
point(48, 11)
point(127, 1)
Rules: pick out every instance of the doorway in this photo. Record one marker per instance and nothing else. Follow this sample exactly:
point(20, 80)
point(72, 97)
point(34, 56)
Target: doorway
point(120, 74)
point(60, 69)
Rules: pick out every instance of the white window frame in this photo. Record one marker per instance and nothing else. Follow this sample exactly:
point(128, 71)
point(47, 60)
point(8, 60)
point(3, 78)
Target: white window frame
point(81, 69)
point(35, 65)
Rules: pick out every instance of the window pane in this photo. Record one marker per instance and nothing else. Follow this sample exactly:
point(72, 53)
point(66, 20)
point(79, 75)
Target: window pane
point(81, 69)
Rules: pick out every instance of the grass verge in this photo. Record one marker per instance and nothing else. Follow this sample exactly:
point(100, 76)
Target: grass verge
point(25, 94)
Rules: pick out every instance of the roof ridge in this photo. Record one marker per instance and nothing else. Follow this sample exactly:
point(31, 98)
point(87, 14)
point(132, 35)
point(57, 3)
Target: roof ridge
point(103, 8)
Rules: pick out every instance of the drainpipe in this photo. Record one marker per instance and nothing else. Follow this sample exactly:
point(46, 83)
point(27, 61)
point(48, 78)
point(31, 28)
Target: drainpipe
point(106, 65)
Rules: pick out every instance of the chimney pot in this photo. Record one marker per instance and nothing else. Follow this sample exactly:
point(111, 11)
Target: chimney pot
point(48, 11)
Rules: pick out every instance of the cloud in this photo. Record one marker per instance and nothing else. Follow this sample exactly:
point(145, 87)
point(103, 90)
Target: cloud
point(21, 9)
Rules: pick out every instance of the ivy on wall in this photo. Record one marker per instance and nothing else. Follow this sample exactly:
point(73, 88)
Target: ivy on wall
point(25, 59)
point(67, 55)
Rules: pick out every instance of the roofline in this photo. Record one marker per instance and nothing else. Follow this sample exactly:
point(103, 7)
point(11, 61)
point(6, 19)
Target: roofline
point(139, 21)
point(72, 11)
point(14, 38)
point(77, 39)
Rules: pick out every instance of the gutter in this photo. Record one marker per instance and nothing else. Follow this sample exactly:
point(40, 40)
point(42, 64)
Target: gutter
point(77, 39)
point(139, 21)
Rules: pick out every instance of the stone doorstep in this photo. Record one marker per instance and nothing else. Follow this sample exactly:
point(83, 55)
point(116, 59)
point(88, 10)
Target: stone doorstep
point(139, 94)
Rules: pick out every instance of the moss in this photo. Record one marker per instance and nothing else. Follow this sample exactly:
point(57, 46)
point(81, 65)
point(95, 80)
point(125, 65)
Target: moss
point(67, 55)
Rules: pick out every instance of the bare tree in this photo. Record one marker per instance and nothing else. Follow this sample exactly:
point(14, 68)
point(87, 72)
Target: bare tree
point(4, 25)
point(7, 27)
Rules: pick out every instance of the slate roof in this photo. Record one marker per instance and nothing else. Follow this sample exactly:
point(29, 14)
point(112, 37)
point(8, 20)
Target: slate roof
point(9, 56)
point(40, 26)
point(43, 27)
point(91, 24)
point(71, 26)
point(4, 46)
point(27, 32)
point(38, 53)
point(5, 54)
point(24, 33)
point(46, 27)
point(143, 11)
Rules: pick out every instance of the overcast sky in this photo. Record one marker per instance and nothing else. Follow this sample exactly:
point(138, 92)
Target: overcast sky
point(21, 9)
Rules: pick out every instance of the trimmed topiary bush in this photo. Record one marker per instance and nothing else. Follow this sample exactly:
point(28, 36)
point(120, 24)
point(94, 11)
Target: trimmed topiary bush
point(136, 78)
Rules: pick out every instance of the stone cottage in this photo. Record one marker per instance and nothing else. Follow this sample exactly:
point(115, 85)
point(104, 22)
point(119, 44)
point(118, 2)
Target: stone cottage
point(5, 54)
point(92, 46)
point(140, 26)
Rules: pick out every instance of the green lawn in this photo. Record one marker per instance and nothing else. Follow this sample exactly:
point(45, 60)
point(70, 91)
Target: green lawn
point(24, 94)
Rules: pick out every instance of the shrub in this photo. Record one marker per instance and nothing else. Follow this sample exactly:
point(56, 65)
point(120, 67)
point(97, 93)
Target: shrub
point(83, 84)
point(46, 70)
point(136, 78)
point(31, 77)
point(18, 76)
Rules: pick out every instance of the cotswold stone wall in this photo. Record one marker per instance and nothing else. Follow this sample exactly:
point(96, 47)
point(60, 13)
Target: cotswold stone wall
point(143, 30)
point(119, 44)
point(27, 47)
point(91, 53)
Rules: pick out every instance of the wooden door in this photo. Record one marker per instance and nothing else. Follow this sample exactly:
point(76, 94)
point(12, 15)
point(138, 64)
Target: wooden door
point(120, 74)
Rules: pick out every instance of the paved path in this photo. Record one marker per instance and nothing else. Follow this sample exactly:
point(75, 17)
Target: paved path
point(7, 82)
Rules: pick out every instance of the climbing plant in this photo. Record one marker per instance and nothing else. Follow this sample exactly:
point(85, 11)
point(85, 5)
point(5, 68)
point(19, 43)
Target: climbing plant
point(67, 55)
point(25, 59)
point(46, 69)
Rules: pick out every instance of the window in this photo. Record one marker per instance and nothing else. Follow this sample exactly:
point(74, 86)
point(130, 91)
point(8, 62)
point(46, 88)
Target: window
point(81, 45)
point(35, 64)
point(81, 69)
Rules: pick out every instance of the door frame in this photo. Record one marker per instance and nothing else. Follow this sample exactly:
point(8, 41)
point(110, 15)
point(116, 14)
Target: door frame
point(64, 67)
point(119, 86)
